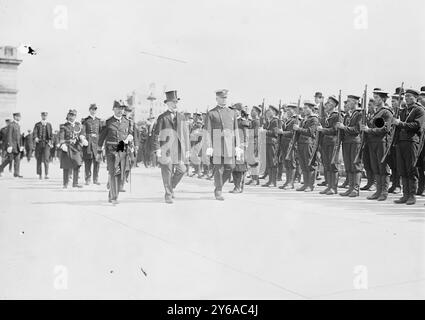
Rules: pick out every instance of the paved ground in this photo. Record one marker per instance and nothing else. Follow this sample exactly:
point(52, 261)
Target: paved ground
point(274, 244)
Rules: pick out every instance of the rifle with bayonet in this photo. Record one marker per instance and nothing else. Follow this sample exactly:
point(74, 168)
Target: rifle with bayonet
point(263, 116)
point(393, 131)
point(335, 151)
point(294, 139)
point(358, 157)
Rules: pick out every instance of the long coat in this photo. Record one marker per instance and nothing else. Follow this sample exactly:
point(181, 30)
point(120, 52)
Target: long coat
point(37, 133)
point(70, 136)
point(92, 129)
point(221, 133)
point(14, 137)
point(172, 134)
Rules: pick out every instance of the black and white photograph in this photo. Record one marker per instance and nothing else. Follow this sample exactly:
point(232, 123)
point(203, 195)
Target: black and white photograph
point(206, 150)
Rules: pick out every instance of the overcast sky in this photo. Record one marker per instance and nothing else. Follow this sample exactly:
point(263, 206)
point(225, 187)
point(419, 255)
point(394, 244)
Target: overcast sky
point(257, 49)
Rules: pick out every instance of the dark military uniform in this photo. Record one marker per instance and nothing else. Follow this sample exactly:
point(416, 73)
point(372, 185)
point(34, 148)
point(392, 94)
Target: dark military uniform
point(44, 134)
point(70, 135)
point(409, 139)
point(307, 135)
point(29, 145)
point(329, 140)
point(367, 166)
point(290, 161)
point(377, 143)
point(272, 128)
point(14, 140)
point(113, 134)
point(92, 127)
point(351, 143)
point(221, 129)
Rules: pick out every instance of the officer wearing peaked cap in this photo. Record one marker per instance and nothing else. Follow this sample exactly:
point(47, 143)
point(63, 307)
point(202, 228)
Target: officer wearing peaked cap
point(222, 141)
point(92, 126)
point(71, 140)
point(14, 146)
point(116, 135)
point(43, 137)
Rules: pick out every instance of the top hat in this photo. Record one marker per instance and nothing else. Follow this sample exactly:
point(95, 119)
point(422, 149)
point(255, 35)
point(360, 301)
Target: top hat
point(171, 96)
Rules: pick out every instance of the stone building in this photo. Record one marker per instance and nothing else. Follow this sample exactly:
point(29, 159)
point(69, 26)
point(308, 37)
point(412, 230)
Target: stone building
point(9, 63)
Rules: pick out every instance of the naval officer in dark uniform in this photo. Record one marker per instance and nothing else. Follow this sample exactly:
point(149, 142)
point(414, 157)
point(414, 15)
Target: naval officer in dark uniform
point(43, 136)
point(116, 135)
point(92, 126)
point(222, 141)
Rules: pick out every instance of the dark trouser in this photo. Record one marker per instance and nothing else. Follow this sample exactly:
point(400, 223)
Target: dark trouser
point(353, 169)
point(367, 165)
point(392, 162)
point(171, 176)
point(9, 158)
point(305, 153)
point(421, 168)
point(222, 173)
point(66, 174)
point(407, 156)
point(87, 167)
point(114, 186)
point(380, 170)
point(43, 157)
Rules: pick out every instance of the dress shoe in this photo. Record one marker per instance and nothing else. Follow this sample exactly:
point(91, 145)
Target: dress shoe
point(382, 197)
point(411, 200)
point(374, 196)
point(218, 195)
point(236, 190)
point(168, 200)
point(46, 177)
point(322, 184)
point(331, 192)
point(353, 194)
point(401, 200)
point(40, 177)
point(18, 176)
point(79, 186)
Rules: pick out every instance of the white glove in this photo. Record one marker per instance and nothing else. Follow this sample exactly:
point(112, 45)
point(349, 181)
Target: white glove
point(64, 148)
point(128, 139)
point(239, 153)
point(9, 149)
point(158, 153)
point(188, 154)
point(21, 149)
point(36, 140)
point(209, 152)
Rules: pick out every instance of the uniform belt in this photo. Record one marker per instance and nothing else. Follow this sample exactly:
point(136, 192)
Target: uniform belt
point(94, 135)
point(111, 143)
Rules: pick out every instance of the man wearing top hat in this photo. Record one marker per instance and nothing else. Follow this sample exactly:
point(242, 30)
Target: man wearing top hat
point(116, 135)
point(43, 136)
point(14, 146)
point(71, 140)
point(377, 131)
point(92, 127)
point(410, 125)
point(222, 141)
point(172, 145)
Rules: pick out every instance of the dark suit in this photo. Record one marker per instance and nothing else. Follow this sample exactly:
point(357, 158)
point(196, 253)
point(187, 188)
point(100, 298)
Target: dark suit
point(92, 127)
point(14, 140)
point(221, 134)
point(44, 134)
point(173, 139)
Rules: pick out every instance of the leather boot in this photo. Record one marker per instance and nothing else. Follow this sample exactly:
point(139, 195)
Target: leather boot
point(412, 187)
point(406, 191)
point(333, 183)
point(370, 185)
point(274, 177)
point(377, 193)
point(346, 183)
point(385, 182)
point(305, 180)
point(350, 186)
point(311, 181)
point(326, 181)
point(356, 185)
point(291, 179)
point(329, 182)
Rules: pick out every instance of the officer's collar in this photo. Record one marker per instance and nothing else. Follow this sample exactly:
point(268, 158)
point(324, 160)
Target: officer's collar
point(119, 119)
